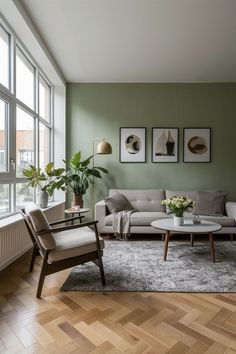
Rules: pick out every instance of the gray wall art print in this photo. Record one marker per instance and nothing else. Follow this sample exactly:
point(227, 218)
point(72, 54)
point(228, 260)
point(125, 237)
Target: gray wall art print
point(165, 144)
point(197, 144)
point(132, 144)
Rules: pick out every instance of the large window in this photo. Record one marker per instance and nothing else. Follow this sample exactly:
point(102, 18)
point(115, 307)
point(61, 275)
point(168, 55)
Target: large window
point(25, 121)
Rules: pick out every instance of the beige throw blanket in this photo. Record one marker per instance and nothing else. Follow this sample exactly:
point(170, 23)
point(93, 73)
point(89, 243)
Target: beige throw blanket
point(121, 224)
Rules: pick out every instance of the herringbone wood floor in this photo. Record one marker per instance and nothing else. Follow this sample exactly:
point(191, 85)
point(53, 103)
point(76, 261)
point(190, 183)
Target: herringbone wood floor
point(74, 322)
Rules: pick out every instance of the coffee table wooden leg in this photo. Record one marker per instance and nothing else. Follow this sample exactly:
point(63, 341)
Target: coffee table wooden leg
point(211, 240)
point(192, 239)
point(167, 237)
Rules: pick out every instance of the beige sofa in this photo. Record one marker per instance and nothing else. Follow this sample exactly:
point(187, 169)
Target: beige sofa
point(147, 206)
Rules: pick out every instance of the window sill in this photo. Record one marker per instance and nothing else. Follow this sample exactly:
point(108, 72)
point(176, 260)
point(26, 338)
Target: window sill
point(11, 219)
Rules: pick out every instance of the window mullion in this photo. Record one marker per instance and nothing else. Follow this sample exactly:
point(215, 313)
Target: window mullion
point(13, 66)
point(12, 197)
point(36, 141)
point(52, 125)
point(44, 122)
point(26, 108)
point(12, 140)
point(36, 123)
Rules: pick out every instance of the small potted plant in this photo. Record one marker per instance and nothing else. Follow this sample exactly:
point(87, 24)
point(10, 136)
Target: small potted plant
point(79, 175)
point(178, 205)
point(46, 181)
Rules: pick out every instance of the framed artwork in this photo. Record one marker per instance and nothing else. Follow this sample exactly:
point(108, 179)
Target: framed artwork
point(165, 144)
point(132, 144)
point(197, 144)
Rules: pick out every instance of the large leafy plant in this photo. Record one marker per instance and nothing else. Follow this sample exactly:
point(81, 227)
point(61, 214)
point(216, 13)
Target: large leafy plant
point(47, 180)
point(79, 175)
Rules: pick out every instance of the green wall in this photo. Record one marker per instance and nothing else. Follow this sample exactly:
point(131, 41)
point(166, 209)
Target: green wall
point(99, 110)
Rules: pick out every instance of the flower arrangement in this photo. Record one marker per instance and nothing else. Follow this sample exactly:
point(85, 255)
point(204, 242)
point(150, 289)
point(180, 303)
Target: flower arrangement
point(178, 205)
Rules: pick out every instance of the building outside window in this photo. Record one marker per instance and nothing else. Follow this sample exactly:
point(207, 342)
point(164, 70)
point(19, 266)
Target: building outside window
point(26, 121)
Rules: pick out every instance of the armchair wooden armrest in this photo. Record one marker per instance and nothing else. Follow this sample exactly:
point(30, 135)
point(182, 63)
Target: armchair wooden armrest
point(68, 227)
point(65, 220)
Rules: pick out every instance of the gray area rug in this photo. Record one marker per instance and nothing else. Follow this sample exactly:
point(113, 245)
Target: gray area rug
point(138, 266)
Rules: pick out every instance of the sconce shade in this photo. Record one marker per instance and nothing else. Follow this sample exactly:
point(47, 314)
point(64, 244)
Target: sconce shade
point(104, 148)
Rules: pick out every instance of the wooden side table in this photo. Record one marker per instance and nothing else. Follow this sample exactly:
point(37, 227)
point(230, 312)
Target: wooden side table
point(78, 213)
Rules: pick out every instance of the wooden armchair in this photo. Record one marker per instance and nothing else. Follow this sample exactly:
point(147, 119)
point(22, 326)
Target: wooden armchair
point(62, 247)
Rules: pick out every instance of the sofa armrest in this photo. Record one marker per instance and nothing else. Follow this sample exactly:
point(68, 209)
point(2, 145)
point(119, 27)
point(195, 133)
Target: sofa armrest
point(231, 209)
point(100, 213)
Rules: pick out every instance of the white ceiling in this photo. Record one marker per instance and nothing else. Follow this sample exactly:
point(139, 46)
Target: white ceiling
point(139, 40)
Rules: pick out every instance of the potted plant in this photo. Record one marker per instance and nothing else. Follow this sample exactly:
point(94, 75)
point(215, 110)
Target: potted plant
point(178, 205)
point(46, 181)
point(79, 175)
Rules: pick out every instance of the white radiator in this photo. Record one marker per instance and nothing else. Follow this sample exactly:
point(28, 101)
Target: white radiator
point(14, 237)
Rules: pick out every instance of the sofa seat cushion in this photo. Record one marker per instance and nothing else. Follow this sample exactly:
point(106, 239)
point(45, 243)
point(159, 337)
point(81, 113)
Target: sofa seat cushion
point(72, 243)
point(224, 221)
point(140, 218)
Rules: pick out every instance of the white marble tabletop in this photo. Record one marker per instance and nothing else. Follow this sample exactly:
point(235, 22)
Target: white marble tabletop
point(188, 227)
point(74, 211)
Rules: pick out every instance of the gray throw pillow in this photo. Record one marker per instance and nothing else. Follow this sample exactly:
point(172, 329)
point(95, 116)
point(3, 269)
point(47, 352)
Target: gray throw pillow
point(117, 202)
point(210, 203)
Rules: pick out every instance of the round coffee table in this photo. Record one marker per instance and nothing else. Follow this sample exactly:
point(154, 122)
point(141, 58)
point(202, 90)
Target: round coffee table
point(78, 212)
point(206, 227)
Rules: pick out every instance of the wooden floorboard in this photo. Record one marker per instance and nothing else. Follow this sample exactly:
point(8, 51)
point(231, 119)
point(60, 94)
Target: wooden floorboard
point(76, 322)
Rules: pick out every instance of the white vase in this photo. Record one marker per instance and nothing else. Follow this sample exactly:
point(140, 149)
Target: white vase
point(42, 199)
point(178, 220)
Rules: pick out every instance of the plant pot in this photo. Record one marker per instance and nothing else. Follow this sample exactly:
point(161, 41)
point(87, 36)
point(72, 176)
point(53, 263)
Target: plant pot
point(42, 199)
point(77, 200)
point(178, 220)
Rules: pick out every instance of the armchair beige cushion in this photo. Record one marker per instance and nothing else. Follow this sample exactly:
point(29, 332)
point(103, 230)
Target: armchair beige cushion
point(73, 243)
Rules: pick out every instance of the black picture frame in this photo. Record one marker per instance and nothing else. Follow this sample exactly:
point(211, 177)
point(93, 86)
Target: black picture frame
point(164, 157)
point(129, 154)
point(201, 137)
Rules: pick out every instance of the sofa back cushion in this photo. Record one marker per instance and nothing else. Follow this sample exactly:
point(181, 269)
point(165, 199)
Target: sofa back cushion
point(210, 203)
point(189, 194)
point(143, 199)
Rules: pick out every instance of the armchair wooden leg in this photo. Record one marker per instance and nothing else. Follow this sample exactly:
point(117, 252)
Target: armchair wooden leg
point(42, 276)
point(100, 264)
point(33, 256)
point(102, 271)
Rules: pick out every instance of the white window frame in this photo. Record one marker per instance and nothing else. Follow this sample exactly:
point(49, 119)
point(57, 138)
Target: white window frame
point(9, 96)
